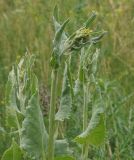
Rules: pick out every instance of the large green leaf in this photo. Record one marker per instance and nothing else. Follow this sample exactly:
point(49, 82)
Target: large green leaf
point(34, 135)
point(13, 153)
point(66, 100)
point(95, 132)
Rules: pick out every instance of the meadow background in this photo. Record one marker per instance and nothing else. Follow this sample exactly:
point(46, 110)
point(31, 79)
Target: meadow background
point(27, 25)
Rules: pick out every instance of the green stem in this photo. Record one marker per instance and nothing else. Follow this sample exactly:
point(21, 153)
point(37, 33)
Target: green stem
point(43, 156)
point(52, 115)
point(70, 77)
point(109, 150)
point(85, 121)
point(85, 118)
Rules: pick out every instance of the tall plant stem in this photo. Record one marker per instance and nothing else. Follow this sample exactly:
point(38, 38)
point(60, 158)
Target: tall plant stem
point(85, 120)
point(51, 140)
point(85, 109)
point(69, 75)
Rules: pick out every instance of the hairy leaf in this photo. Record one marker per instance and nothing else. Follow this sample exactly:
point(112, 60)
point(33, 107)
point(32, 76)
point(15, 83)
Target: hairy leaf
point(60, 38)
point(11, 90)
point(62, 150)
point(18, 90)
point(78, 93)
point(13, 153)
point(62, 147)
point(60, 35)
point(95, 61)
point(66, 100)
point(34, 135)
point(95, 132)
point(76, 115)
point(11, 100)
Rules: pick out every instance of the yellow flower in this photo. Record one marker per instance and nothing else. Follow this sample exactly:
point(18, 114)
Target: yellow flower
point(83, 32)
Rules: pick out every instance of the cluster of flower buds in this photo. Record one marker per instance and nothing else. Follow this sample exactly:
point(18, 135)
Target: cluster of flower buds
point(80, 38)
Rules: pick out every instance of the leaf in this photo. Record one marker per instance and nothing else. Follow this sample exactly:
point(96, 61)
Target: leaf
point(62, 150)
point(62, 147)
point(78, 95)
point(11, 118)
point(60, 38)
point(56, 18)
point(95, 132)
point(34, 135)
point(90, 19)
point(99, 37)
point(60, 35)
point(13, 153)
point(18, 90)
point(11, 100)
point(66, 100)
point(25, 80)
point(11, 90)
point(95, 61)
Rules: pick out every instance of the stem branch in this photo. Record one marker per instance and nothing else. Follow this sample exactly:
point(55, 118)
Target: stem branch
point(85, 119)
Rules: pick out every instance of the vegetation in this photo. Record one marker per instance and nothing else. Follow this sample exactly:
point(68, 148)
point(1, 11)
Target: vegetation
point(85, 113)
